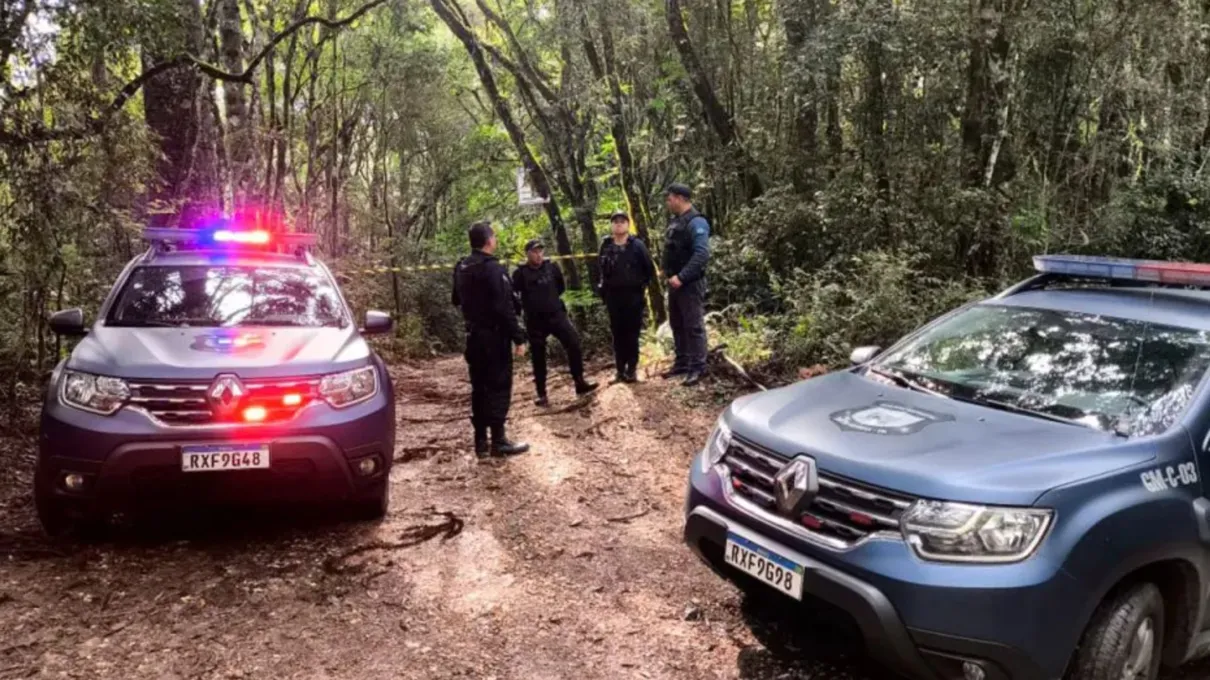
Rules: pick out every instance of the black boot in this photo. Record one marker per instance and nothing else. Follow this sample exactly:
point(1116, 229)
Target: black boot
point(584, 387)
point(501, 446)
point(631, 375)
point(620, 377)
point(693, 378)
point(674, 372)
point(482, 448)
point(542, 401)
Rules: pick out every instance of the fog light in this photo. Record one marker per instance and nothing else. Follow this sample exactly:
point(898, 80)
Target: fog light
point(73, 481)
point(367, 466)
point(973, 671)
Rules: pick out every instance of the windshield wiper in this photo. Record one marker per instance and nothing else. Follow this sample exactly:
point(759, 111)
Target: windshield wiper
point(271, 322)
point(907, 380)
point(1013, 408)
point(149, 323)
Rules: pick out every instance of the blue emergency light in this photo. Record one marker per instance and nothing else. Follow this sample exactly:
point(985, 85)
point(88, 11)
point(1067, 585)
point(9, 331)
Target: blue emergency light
point(1123, 269)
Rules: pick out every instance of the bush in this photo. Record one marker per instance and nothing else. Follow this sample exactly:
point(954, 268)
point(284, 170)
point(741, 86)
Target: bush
point(869, 299)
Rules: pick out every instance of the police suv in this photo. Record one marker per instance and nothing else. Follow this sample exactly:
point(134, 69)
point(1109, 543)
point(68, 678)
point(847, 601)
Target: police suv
point(224, 366)
point(1012, 492)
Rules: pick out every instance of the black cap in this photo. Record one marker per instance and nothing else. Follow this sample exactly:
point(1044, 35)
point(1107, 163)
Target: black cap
point(619, 214)
point(534, 243)
point(680, 190)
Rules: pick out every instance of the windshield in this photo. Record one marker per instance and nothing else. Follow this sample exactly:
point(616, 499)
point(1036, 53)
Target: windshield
point(206, 296)
point(1118, 375)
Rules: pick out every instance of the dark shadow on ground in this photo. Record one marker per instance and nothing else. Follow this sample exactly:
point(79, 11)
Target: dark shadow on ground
point(214, 530)
point(819, 643)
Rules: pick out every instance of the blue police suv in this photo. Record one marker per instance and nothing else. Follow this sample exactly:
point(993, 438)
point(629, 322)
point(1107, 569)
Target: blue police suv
point(224, 367)
point(1012, 492)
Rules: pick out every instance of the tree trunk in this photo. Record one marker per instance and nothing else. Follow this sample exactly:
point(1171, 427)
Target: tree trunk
point(987, 87)
point(175, 109)
point(274, 126)
point(606, 69)
point(451, 14)
point(875, 123)
point(239, 142)
point(716, 115)
point(986, 161)
point(800, 18)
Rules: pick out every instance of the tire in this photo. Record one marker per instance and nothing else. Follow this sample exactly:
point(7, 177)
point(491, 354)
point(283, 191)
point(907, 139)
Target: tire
point(1125, 639)
point(53, 517)
point(58, 522)
point(374, 508)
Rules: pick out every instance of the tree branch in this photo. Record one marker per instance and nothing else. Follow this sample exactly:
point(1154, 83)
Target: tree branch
point(124, 95)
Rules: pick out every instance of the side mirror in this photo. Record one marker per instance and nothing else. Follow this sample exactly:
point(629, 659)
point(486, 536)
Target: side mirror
point(863, 355)
point(68, 322)
point(377, 323)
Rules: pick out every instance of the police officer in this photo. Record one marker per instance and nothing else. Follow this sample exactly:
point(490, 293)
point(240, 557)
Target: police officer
point(483, 292)
point(540, 285)
point(686, 252)
point(626, 269)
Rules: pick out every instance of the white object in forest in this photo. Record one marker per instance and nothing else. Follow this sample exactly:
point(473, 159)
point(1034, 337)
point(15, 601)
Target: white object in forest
point(525, 192)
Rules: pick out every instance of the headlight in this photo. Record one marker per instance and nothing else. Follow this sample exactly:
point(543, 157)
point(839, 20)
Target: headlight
point(94, 393)
point(350, 387)
point(717, 445)
point(957, 532)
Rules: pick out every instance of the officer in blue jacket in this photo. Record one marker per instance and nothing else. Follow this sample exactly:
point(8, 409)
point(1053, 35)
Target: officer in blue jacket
point(686, 252)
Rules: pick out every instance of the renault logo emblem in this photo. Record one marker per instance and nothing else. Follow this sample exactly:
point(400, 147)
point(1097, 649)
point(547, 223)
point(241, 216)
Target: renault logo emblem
point(225, 394)
point(796, 485)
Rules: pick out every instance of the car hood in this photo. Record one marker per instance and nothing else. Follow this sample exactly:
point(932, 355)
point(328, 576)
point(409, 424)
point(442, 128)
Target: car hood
point(927, 446)
point(201, 353)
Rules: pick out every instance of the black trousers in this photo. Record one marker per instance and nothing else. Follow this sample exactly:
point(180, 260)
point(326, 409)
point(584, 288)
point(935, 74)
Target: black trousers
point(559, 326)
point(686, 316)
point(626, 308)
point(489, 356)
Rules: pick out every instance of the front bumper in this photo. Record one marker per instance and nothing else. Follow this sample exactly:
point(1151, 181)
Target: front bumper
point(922, 620)
point(130, 462)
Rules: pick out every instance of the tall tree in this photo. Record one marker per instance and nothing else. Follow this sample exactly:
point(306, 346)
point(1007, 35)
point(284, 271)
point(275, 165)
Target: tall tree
point(604, 66)
point(450, 13)
point(239, 138)
point(176, 104)
point(713, 109)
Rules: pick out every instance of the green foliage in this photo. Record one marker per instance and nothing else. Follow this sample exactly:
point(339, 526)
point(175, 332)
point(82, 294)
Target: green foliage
point(907, 160)
point(870, 299)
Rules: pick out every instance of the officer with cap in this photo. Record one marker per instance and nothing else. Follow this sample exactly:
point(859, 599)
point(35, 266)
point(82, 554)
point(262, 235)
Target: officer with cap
point(483, 292)
point(686, 252)
point(626, 269)
point(540, 284)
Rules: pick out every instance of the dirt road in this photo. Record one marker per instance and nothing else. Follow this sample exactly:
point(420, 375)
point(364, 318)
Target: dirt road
point(565, 562)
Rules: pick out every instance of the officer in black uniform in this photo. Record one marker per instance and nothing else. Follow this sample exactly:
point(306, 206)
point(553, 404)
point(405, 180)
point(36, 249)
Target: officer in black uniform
point(483, 292)
point(540, 284)
point(686, 252)
point(626, 269)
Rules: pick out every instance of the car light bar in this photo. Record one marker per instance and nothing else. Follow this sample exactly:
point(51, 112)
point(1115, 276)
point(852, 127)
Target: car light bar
point(1151, 271)
point(228, 237)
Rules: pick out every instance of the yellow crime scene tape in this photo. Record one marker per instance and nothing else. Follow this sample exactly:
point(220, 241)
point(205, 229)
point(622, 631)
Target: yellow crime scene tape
point(449, 266)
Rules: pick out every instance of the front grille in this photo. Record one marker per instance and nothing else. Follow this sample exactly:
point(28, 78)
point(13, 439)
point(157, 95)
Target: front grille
point(842, 514)
point(182, 404)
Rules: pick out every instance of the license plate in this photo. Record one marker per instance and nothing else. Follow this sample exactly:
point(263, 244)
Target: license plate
point(764, 564)
point(224, 457)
